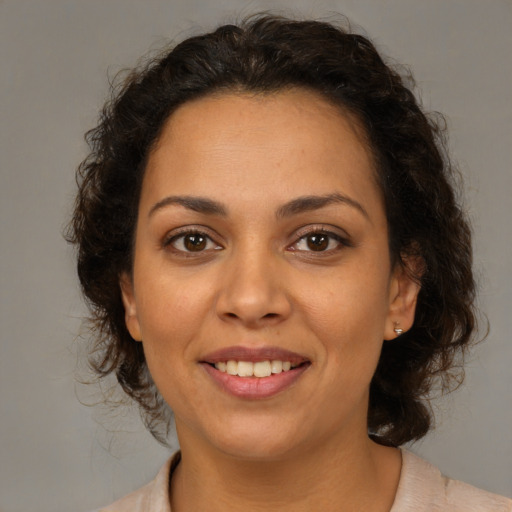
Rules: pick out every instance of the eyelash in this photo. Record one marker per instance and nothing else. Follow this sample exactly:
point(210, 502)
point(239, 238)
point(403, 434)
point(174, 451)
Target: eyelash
point(321, 232)
point(303, 236)
point(189, 232)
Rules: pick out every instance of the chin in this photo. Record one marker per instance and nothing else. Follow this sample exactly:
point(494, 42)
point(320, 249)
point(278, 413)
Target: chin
point(261, 450)
point(257, 440)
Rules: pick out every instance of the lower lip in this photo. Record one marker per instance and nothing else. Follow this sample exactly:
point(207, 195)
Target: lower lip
point(255, 387)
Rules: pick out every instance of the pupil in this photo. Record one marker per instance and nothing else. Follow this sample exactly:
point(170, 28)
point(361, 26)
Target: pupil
point(318, 242)
point(195, 242)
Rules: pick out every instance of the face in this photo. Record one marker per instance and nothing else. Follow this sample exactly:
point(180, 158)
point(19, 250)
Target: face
point(262, 287)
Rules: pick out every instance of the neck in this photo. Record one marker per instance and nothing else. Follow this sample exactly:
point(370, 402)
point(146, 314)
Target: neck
point(340, 476)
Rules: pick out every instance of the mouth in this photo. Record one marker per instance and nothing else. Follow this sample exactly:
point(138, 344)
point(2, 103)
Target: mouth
point(254, 373)
point(258, 369)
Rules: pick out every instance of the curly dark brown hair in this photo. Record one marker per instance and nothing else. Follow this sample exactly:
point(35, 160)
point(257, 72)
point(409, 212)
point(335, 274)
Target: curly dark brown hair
point(267, 54)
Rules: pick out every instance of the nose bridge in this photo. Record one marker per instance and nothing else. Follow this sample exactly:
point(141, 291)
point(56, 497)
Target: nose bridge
point(251, 290)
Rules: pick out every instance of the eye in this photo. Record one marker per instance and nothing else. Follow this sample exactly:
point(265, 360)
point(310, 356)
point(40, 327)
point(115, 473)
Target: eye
point(319, 241)
point(192, 241)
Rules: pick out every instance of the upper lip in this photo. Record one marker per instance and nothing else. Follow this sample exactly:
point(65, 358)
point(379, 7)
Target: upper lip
point(240, 353)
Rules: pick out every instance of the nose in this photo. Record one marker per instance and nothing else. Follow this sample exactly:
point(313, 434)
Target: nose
point(253, 291)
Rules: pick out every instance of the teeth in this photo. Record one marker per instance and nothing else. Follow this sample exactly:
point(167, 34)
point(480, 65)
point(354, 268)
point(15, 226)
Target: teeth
point(249, 369)
point(262, 369)
point(231, 367)
point(245, 369)
point(277, 366)
point(221, 366)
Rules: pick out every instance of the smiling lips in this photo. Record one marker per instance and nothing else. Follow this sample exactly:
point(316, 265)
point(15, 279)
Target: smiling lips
point(254, 373)
point(249, 369)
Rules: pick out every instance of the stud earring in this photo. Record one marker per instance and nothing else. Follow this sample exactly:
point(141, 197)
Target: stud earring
point(398, 330)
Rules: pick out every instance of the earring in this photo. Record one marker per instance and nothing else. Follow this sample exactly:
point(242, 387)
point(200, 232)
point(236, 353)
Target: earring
point(398, 330)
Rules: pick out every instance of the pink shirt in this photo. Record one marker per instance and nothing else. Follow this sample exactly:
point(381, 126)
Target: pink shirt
point(422, 488)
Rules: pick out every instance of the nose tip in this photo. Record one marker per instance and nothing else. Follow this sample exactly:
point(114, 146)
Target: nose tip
point(253, 296)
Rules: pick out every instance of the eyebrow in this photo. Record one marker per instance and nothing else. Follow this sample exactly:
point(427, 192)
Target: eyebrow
point(196, 204)
point(310, 203)
point(293, 207)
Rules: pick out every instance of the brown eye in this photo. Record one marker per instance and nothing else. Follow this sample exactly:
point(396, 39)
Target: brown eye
point(195, 242)
point(317, 242)
point(192, 242)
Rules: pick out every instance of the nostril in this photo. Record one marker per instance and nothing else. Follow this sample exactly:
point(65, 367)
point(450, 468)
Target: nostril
point(268, 317)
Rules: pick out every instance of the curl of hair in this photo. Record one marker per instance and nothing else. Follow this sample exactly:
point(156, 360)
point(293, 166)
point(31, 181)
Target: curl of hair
point(266, 54)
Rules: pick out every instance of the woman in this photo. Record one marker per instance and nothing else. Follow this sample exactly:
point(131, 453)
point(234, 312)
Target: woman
point(271, 246)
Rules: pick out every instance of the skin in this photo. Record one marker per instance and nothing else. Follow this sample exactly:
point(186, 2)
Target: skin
point(257, 282)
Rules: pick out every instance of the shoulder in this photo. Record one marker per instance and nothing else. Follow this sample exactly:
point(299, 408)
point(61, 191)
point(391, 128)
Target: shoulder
point(422, 488)
point(153, 497)
point(137, 501)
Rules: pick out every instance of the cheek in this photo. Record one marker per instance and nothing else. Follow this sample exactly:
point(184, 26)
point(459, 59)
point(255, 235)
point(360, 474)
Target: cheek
point(171, 307)
point(348, 315)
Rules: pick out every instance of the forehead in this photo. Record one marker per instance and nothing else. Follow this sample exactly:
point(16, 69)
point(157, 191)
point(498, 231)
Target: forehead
point(253, 142)
point(232, 113)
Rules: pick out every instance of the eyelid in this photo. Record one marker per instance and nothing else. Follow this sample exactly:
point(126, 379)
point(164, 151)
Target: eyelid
point(334, 232)
point(182, 231)
point(327, 229)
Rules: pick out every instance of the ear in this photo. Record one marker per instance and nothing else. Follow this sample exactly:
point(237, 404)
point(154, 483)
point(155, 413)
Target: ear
point(130, 307)
point(404, 289)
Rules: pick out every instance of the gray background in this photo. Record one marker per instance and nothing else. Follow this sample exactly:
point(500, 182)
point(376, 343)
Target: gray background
point(57, 455)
